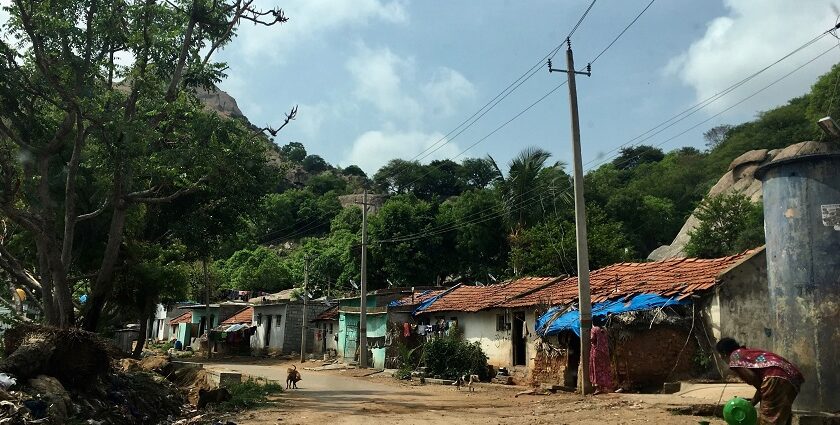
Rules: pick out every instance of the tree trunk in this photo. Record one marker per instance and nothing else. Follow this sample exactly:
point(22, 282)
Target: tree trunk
point(105, 279)
point(141, 337)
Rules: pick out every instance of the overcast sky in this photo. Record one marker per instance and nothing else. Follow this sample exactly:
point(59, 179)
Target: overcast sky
point(379, 79)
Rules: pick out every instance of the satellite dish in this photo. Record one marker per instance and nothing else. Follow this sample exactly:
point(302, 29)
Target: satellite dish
point(353, 284)
point(390, 284)
point(492, 277)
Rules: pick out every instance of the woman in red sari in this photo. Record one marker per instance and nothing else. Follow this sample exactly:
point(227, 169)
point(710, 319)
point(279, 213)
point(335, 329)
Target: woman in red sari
point(776, 380)
point(600, 370)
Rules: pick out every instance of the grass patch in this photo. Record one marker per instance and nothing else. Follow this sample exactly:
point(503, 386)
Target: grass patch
point(250, 393)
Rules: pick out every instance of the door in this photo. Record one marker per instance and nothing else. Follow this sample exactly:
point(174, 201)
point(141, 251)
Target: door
point(267, 330)
point(519, 340)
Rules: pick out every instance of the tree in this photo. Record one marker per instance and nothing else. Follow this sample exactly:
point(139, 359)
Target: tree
point(520, 184)
point(412, 261)
point(633, 156)
point(258, 269)
point(294, 152)
point(327, 182)
point(478, 245)
point(71, 114)
point(397, 176)
point(354, 170)
point(314, 164)
point(716, 135)
point(478, 173)
point(729, 224)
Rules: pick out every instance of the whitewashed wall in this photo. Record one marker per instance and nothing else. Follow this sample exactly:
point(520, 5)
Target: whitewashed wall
point(277, 330)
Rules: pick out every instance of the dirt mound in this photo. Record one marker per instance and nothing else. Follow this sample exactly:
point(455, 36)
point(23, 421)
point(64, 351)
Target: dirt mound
point(74, 356)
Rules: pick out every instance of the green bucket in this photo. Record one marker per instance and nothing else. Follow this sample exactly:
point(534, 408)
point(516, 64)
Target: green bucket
point(739, 411)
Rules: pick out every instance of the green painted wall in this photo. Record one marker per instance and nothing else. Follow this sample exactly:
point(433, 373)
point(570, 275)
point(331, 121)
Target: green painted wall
point(347, 337)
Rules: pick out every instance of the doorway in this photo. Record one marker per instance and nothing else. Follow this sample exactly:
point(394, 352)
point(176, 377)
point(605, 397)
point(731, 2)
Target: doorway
point(571, 341)
point(267, 330)
point(519, 341)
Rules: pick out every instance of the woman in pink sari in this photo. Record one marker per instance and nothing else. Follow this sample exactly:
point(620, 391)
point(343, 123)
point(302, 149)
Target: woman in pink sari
point(600, 370)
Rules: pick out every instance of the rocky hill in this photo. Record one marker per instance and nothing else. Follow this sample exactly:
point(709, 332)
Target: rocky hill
point(741, 178)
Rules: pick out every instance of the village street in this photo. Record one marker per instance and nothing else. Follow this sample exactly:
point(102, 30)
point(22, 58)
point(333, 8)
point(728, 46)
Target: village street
point(346, 397)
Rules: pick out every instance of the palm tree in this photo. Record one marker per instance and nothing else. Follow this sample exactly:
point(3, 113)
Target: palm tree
point(523, 188)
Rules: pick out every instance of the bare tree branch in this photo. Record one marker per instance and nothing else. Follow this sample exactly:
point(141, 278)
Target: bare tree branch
point(95, 213)
point(291, 115)
point(275, 16)
point(145, 195)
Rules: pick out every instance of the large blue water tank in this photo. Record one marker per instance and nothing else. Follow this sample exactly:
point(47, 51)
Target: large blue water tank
point(802, 228)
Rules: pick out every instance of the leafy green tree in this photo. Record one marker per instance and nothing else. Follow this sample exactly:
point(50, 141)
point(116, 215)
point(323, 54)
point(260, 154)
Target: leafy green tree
point(412, 261)
point(478, 245)
point(79, 129)
point(729, 224)
point(314, 164)
point(549, 248)
point(258, 269)
point(633, 156)
point(354, 170)
point(520, 184)
point(297, 213)
point(294, 152)
point(327, 182)
point(478, 173)
point(716, 135)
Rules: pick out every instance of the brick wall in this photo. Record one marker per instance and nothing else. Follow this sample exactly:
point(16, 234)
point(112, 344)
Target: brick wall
point(643, 359)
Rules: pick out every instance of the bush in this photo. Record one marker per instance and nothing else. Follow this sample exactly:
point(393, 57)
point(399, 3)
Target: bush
point(250, 393)
point(451, 357)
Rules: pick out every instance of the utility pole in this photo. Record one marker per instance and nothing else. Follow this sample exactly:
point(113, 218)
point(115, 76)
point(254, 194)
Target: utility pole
point(363, 360)
point(303, 316)
point(585, 386)
point(207, 322)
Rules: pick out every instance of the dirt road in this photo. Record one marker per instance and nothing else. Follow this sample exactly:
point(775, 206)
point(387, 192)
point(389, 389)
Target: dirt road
point(334, 397)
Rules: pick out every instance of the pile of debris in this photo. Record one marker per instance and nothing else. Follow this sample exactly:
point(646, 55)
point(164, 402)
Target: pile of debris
point(57, 376)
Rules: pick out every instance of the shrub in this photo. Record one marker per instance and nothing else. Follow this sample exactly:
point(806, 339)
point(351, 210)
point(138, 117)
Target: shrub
point(451, 357)
point(250, 393)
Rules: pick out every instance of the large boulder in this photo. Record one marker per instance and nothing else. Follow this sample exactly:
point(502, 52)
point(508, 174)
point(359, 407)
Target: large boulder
point(50, 390)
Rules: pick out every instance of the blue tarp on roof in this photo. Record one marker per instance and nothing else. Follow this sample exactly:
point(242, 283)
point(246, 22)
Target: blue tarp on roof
point(397, 303)
point(554, 320)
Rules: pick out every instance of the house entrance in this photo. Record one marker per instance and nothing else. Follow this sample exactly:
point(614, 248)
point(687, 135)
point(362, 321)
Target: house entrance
point(571, 341)
point(518, 338)
point(267, 330)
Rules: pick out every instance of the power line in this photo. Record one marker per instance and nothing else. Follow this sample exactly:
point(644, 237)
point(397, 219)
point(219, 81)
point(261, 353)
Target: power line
point(670, 122)
point(525, 203)
point(623, 31)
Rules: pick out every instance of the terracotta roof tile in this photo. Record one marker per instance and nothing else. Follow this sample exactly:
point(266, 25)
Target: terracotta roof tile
point(184, 318)
point(419, 297)
point(476, 298)
point(674, 277)
point(246, 315)
point(328, 314)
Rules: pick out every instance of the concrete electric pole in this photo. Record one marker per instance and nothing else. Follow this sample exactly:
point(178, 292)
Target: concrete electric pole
point(363, 358)
point(303, 315)
point(585, 386)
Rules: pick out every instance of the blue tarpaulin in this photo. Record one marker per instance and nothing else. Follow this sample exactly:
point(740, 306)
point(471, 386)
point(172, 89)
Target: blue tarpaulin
point(397, 303)
point(554, 320)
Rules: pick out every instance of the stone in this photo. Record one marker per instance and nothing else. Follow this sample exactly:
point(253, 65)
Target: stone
point(755, 156)
point(50, 390)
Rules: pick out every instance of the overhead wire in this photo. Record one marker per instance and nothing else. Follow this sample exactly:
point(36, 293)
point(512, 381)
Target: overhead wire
point(523, 204)
point(681, 116)
point(481, 112)
point(622, 32)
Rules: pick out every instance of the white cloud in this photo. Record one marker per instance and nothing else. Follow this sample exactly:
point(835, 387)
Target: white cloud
point(374, 149)
point(308, 20)
point(447, 89)
point(379, 75)
point(754, 34)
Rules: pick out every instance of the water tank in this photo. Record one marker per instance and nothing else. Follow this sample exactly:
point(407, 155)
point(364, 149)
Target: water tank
point(802, 228)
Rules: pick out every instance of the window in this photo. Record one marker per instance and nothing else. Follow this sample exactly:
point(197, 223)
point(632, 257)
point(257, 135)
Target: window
point(500, 322)
point(277, 320)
